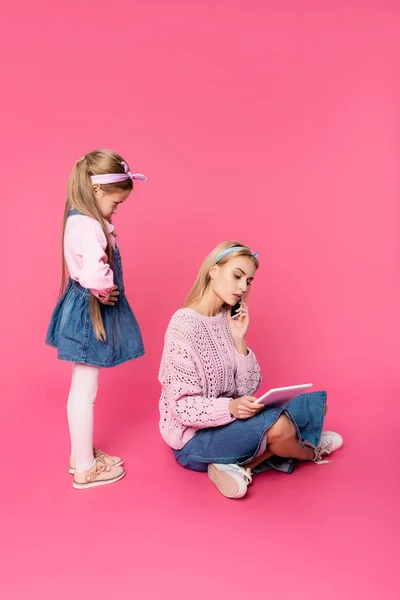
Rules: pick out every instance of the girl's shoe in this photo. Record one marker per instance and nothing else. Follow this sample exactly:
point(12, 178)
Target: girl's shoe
point(99, 474)
point(231, 480)
point(111, 461)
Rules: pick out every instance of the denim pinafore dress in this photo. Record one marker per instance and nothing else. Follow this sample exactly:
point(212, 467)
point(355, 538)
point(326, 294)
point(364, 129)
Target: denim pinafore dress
point(71, 329)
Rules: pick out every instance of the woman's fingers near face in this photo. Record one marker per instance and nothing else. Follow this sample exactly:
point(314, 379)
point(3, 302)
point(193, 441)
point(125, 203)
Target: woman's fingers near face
point(244, 311)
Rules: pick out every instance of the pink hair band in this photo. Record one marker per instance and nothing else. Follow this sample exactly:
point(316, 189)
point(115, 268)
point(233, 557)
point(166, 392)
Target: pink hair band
point(117, 177)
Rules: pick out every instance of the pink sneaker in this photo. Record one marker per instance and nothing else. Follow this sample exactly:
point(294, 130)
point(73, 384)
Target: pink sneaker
point(98, 454)
point(99, 474)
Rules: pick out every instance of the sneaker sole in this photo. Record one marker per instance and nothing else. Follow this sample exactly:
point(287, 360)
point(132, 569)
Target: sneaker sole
point(225, 483)
point(117, 464)
point(84, 486)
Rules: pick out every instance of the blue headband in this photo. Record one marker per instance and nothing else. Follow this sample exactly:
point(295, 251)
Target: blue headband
point(230, 250)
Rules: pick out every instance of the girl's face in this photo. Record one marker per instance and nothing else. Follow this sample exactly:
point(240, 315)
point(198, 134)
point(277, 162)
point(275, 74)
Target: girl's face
point(232, 280)
point(108, 202)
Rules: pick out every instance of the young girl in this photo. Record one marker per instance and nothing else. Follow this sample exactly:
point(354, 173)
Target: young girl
point(208, 413)
point(93, 325)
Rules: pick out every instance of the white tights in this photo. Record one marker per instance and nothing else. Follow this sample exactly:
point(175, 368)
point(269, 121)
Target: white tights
point(84, 385)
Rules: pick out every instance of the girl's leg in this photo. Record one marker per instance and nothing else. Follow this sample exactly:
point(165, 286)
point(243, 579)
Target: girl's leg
point(69, 409)
point(81, 400)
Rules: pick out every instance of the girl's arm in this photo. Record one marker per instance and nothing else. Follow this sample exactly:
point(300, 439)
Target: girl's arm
point(90, 244)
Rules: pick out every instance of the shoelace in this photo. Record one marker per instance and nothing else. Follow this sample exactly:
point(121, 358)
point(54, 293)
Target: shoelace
point(246, 473)
point(100, 454)
point(326, 448)
point(100, 467)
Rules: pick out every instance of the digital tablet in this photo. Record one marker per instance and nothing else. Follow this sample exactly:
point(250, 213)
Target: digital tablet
point(279, 396)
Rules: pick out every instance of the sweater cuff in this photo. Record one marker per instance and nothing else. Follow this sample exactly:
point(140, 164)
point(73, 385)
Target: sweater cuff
point(222, 414)
point(245, 358)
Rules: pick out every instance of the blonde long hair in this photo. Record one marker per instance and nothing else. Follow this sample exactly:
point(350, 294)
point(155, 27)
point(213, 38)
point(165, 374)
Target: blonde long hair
point(82, 198)
point(203, 279)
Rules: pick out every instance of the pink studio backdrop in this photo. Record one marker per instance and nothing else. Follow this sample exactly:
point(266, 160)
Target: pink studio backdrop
point(276, 126)
point(272, 123)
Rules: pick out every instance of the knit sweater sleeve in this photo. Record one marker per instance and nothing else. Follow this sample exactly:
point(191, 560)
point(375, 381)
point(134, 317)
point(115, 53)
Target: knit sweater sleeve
point(183, 385)
point(248, 374)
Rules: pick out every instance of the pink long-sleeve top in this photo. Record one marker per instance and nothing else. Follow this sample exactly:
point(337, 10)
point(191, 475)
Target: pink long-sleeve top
point(84, 248)
point(200, 372)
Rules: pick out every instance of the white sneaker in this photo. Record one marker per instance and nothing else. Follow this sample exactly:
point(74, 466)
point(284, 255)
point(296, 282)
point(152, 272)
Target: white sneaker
point(231, 480)
point(329, 442)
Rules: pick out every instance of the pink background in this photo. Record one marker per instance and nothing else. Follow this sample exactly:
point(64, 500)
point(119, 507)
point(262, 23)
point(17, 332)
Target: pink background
point(271, 122)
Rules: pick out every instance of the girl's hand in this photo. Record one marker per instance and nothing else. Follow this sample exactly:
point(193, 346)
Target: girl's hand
point(245, 407)
point(113, 297)
point(239, 326)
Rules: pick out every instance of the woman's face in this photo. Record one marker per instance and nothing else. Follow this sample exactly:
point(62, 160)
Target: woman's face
point(232, 280)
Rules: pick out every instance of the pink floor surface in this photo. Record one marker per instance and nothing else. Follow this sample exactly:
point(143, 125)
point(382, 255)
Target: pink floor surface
point(163, 532)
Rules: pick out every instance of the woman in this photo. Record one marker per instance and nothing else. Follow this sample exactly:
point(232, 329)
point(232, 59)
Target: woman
point(209, 376)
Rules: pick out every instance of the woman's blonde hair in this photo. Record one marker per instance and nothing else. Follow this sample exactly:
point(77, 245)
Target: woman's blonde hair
point(203, 279)
point(81, 197)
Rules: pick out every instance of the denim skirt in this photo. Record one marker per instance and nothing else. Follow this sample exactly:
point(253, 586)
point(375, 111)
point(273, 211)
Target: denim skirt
point(71, 329)
point(239, 441)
